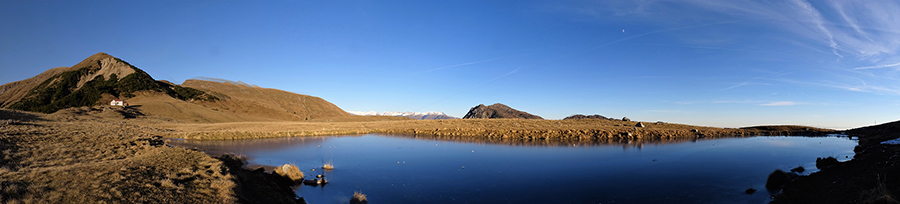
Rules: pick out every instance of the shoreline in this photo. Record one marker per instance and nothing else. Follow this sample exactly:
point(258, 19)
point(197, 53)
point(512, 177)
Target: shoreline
point(583, 129)
point(38, 148)
point(870, 177)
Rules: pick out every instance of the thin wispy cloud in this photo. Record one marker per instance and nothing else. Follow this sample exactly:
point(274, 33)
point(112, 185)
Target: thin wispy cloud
point(470, 63)
point(750, 82)
point(735, 86)
point(780, 103)
point(866, 30)
point(813, 15)
point(718, 102)
point(511, 72)
point(878, 66)
point(862, 86)
point(669, 111)
point(655, 32)
point(857, 36)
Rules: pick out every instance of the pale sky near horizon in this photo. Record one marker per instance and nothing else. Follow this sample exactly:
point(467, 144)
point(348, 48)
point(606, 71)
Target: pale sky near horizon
point(827, 63)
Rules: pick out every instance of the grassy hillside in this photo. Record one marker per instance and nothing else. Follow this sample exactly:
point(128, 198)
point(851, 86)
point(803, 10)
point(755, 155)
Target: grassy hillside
point(265, 104)
point(14, 91)
point(87, 82)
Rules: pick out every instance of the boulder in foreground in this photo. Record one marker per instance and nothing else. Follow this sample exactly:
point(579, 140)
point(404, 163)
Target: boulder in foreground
point(290, 171)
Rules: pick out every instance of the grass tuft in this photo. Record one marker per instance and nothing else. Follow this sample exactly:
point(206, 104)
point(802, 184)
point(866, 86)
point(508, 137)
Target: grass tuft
point(879, 194)
point(168, 183)
point(328, 165)
point(358, 197)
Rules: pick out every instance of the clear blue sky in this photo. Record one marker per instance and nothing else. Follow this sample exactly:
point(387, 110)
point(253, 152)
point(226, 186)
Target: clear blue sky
point(716, 63)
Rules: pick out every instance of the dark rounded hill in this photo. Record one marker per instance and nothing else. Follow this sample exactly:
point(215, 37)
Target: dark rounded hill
point(497, 111)
point(580, 116)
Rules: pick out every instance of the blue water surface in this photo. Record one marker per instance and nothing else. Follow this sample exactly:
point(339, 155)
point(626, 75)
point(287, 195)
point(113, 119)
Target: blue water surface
point(401, 169)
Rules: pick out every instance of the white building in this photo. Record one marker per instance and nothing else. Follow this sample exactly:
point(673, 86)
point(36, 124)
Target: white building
point(117, 102)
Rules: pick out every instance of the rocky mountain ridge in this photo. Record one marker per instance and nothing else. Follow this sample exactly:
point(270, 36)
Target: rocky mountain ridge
point(497, 110)
point(430, 115)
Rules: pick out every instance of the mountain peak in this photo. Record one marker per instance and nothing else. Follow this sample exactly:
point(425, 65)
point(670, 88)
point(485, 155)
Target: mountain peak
point(497, 110)
point(95, 79)
point(101, 54)
point(102, 64)
point(92, 60)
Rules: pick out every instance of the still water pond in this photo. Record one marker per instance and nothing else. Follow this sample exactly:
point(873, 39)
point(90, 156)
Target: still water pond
point(402, 169)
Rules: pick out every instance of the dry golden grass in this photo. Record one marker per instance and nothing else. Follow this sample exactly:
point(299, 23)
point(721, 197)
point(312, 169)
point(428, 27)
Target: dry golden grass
point(97, 161)
point(328, 165)
point(589, 129)
point(358, 197)
point(161, 107)
point(264, 103)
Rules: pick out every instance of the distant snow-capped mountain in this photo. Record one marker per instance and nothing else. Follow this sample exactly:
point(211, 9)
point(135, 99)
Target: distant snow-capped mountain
point(431, 115)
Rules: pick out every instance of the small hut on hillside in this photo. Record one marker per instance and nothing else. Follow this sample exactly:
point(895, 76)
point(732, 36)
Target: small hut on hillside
point(117, 102)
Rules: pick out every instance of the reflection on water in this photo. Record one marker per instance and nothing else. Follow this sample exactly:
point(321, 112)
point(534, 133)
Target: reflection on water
point(417, 169)
point(613, 141)
point(218, 147)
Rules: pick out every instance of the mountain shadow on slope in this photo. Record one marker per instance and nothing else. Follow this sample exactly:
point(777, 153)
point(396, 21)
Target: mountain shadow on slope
point(497, 111)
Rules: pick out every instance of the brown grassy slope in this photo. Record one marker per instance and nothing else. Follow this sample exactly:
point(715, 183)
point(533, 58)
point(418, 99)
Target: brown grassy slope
point(240, 104)
point(43, 160)
point(484, 128)
point(161, 105)
point(265, 103)
point(14, 91)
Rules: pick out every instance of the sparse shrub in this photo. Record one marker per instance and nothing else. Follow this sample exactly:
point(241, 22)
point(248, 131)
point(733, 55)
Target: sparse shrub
point(328, 165)
point(167, 183)
point(799, 169)
point(358, 198)
point(826, 162)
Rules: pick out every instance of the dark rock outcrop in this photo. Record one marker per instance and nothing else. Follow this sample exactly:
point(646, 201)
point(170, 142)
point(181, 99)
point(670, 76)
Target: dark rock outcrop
point(778, 179)
point(497, 111)
point(750, 191)
point(823, 163)
point(580, 116)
